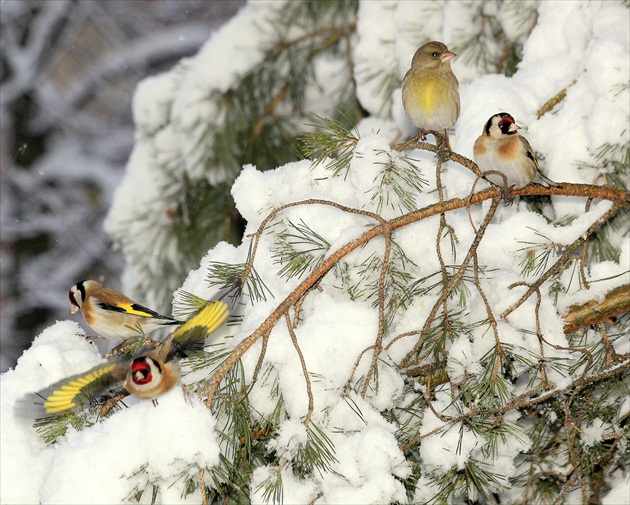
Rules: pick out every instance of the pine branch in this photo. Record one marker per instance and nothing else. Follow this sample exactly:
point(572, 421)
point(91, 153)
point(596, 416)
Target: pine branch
point(333, 143)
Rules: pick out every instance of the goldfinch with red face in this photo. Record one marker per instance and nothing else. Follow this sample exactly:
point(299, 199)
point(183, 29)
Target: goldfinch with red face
point(501, 148)
point(113, 315)
point(149, 373)
point(430, 90)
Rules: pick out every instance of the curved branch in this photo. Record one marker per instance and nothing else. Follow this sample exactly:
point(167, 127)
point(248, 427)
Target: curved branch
point(566, 189)
point(527, 399)
point(563, 260)
point(622, 199)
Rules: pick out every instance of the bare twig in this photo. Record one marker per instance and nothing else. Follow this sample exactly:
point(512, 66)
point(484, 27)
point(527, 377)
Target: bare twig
point(563, 260)
point(454, 281)
point(307, 379)
point(527, 399)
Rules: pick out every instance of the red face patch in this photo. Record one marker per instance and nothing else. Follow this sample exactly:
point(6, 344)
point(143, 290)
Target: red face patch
point(505, 123)
point(141, 371)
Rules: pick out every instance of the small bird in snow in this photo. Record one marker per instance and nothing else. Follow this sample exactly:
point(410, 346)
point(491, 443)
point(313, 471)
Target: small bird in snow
point(113, 315)
point(502, 149)
point(430, 90)
point(147, 374)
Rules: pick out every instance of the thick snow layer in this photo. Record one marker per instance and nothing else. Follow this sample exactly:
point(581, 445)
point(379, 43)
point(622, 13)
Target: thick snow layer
point(112, 460)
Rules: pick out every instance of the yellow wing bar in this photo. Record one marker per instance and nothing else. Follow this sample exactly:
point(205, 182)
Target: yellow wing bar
point(210, 318)
point(63, 398)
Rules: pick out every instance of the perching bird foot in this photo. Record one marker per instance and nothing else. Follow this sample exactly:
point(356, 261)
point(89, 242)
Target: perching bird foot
point(442, 141)
point(506, 194)
point(422, 134)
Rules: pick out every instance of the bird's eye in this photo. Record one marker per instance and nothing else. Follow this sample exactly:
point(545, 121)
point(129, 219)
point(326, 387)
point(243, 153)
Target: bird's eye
point(435, 54)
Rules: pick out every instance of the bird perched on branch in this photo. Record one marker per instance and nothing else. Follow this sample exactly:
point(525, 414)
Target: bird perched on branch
point(430, 90)
point(501, 148)
point(149, 373)
point(113, 315)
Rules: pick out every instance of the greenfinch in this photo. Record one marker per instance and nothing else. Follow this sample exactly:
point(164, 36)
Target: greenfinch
point(502, 149)
point(430, 90)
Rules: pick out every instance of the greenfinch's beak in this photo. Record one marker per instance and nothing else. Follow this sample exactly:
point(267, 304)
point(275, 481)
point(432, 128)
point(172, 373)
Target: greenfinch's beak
point(448, 56)
point(73, 309)
point(513, 127)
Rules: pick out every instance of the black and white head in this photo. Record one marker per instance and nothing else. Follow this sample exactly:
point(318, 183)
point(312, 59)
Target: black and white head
point(77, 297)
point(501, 124)
point(78, 294)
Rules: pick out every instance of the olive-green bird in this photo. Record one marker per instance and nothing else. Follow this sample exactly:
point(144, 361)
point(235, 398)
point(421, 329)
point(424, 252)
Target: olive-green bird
point(430, 90)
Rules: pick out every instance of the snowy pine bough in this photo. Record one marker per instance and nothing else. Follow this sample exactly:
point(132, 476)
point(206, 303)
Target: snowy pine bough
point(403, 335)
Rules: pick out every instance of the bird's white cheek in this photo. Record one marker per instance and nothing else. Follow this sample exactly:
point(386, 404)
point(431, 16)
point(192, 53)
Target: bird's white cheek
point(153, 382)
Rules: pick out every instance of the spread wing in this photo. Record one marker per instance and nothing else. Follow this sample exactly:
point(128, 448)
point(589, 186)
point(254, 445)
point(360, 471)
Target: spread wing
point(190, 335)
point(73, 391)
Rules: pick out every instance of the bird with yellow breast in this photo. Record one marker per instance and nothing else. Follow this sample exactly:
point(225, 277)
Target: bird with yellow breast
point(430, 90)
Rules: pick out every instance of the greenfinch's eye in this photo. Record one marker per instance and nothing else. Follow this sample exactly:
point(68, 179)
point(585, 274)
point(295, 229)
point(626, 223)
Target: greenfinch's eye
point(435, 54)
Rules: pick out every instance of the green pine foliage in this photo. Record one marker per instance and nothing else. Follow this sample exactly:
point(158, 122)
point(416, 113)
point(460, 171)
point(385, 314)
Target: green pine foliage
point(257, 122)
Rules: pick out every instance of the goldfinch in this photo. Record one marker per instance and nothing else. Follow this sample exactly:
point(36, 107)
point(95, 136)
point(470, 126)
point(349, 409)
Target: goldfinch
point(113, 315)
point(147, 374)
point(430, 90)
point(501, 148)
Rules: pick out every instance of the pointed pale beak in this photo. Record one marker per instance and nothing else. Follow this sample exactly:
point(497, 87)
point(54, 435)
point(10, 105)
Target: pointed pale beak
point(448, 56)
point(74, 309)
point(514, 127)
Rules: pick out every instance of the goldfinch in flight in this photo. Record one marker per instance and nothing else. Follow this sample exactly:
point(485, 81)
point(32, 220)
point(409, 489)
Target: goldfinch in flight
point(501, 148)
point(430, 90)
point(113, 315)
point(147, 374)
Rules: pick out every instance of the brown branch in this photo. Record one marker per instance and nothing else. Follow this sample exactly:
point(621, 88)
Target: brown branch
point(317, 497)
point(593, 312)
point(333, 33)
point(309, 391)
point(491, 319)
point(261, 358)
point(454, 281)
point(559, 265)
point(566, 189)
point(526, 400)
point(378, 347)
point(583, 190)
point(542, 339)
point(202, 486)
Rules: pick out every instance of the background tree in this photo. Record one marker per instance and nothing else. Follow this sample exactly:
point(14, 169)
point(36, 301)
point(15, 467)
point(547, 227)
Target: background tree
point(68, 73)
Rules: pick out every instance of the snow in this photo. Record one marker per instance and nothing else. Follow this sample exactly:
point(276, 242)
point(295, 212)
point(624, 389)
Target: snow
point(336, 328)
point(128, 448)
point(594, 432)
